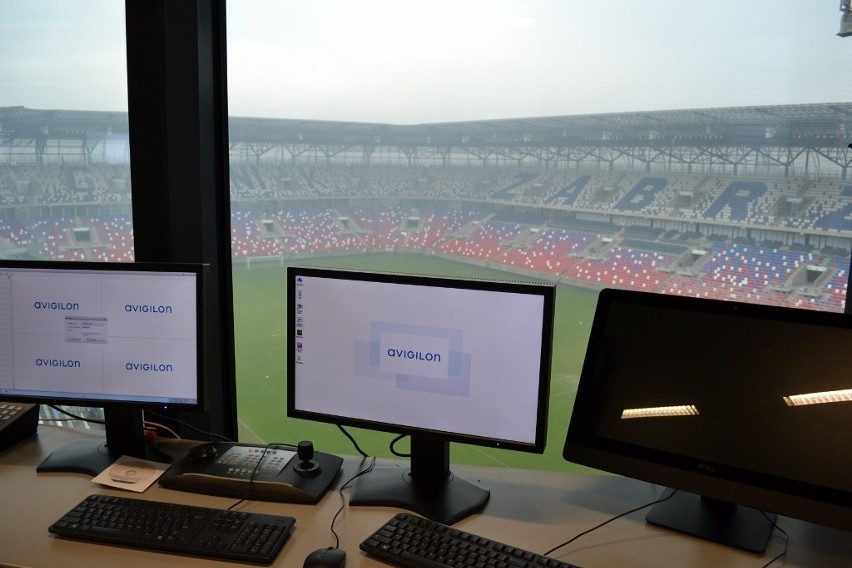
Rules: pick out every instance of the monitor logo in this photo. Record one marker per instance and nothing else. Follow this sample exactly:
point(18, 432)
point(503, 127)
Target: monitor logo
point(148, 309)
point(149, 367)
point(61, 363)
point(63, 306)
point(416, 355)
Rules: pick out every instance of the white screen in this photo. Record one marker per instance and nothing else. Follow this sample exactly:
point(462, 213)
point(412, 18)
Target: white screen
point(110, 335)
point(455, 360)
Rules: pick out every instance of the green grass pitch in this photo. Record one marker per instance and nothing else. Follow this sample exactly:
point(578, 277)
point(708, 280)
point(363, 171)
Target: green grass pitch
point(260, 314)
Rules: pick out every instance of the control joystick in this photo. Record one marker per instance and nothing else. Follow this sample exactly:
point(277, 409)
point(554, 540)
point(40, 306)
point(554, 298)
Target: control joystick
point(306, 467)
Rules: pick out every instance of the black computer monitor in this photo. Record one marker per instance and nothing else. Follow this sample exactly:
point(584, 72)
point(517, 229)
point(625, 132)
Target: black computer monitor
point(742, 408)
point(122, 336)
point(440, 359)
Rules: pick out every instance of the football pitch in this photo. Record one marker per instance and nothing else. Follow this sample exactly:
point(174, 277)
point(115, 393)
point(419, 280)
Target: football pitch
point(260, 340)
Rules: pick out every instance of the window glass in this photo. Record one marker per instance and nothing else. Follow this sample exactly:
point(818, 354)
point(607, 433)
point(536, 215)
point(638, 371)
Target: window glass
point(64, 155)
point(673, 147)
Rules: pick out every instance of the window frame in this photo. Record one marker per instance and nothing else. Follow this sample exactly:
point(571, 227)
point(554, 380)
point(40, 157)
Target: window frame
point(177, 113)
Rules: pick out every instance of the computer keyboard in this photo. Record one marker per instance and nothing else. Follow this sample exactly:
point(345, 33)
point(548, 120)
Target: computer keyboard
point(183, 529)
point(413, 542)
point(17, 421)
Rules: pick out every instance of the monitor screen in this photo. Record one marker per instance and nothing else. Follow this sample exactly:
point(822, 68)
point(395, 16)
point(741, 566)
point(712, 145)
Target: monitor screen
point(739, 403)
point(441, 359)
point(117, 335)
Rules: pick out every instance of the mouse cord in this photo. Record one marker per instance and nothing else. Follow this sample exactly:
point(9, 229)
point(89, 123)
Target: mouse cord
point(368, 468)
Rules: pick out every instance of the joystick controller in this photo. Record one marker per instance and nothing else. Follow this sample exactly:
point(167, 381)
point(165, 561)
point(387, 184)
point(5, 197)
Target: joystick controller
point(306, 467)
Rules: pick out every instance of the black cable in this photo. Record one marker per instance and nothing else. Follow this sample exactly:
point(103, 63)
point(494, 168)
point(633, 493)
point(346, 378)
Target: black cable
point(354, 443)
point(190, 426)
point(785, 536)
point(596, 527)
point(75, 416)
point(343, 497)
point(392, 447)
point(254, 472)
point(350, 480)
point(157, 414)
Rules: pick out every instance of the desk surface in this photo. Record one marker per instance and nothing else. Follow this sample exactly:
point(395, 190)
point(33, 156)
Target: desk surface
point(530, 509)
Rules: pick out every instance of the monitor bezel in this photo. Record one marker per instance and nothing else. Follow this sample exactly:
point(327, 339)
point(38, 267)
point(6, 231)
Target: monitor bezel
point(546, 290)
point(201, 273)
point(755, 489)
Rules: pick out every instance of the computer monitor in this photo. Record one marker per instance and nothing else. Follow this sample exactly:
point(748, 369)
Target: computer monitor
point(440, 359)
point(741, 408)
point(122, 336)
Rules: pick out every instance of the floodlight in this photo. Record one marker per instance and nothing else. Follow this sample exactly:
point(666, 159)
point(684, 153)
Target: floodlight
point(846, 18)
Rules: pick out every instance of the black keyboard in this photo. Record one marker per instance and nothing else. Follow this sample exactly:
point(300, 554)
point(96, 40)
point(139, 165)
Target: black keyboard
point(183, 529)
point(17, 421)
point(414, 542)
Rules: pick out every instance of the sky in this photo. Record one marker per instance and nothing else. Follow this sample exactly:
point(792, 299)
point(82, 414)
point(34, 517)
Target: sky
point(406, 62)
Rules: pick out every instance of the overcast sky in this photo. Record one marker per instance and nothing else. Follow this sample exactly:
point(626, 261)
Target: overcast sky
point(401, 62)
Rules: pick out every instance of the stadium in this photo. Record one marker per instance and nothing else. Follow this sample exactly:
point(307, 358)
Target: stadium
point(751, 204)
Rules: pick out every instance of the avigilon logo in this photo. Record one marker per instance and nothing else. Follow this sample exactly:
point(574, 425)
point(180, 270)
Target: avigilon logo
point(60, 363)
point(416, 355)
point(52, 305)
point(148, 309)
point(413, 351)
point(149, 367)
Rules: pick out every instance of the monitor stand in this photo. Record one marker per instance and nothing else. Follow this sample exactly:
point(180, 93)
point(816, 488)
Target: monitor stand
point(427, 488)
point(124, 437)
point(726, 523)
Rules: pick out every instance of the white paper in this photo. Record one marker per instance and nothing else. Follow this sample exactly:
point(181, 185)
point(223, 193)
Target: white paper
point(132, 474)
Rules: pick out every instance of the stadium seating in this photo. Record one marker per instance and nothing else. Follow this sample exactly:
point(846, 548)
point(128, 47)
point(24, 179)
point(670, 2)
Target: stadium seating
point(589, 228)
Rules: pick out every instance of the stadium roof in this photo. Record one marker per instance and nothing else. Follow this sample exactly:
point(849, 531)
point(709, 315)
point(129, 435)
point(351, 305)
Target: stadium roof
point(21, 122)
point(785, 125)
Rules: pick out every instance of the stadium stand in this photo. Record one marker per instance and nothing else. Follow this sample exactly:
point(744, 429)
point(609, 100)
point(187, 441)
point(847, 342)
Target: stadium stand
point(709, 236)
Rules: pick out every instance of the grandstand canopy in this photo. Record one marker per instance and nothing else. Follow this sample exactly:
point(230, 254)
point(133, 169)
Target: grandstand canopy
point(788, 125)
point(745, 126)
point(21, 123)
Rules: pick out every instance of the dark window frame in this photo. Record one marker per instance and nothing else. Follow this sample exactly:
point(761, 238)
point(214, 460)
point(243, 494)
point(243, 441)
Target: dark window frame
point(177, 109)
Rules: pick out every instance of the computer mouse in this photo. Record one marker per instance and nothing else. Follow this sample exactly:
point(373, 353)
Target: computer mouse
point(326, 558)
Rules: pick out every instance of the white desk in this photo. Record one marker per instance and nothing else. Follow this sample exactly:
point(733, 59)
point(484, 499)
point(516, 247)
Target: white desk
point(532, 510)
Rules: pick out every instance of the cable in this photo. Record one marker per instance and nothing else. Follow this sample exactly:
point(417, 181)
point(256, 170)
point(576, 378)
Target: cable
point(254, 472)
point(352, 439)
point(365, 454)
point(157, 425)
point(343, 497)
point(785, 536)
point(615, 518)
point(189, 426)
point(392, 447)
point(75, 416)
point(350, 480)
